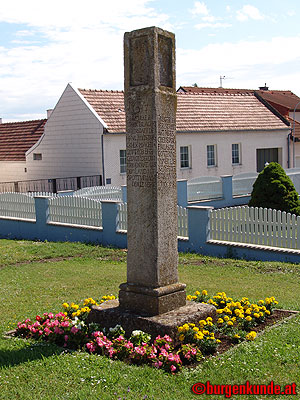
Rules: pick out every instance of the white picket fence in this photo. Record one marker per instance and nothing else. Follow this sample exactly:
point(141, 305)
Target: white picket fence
point(17, 205)
point(100, 193)
point(255, 225)
point(182, 219)
point(75, 210)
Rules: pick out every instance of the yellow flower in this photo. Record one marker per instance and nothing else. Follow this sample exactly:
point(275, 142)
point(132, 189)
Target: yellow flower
point(209, 319)
point(267, 312)
point(204, 292)
point(65, 305)
point(226, 318)
point(261, 302)
point(256, 315)
point(248, 318)
point(218, 341)
point(195, 329)
point(185, 327)
point(191, 325)
point(205, 333)
point(248, 311)
point(180, 329)
point(189, 297)
point(181, 338)
point(229, 323)
point(197, 293)
point(251, 335)
point(220, 321)
point(219, 311)
point(202, 322)
point(237, 336)
point(198, 336)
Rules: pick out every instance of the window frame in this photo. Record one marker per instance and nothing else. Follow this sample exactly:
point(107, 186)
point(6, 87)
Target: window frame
point(239, 154)
point(214, 147)
point(123, 165)
point(37, 156)
point(187, 159)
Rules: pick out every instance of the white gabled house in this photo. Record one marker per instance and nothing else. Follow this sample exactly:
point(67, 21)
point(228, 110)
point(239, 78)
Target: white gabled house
point(217, 134)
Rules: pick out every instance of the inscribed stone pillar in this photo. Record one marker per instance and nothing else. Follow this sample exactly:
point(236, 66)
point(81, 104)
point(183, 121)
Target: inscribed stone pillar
point(152, 285)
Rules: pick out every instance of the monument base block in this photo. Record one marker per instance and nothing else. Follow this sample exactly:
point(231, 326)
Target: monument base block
point(147, 301)
point(109, 314)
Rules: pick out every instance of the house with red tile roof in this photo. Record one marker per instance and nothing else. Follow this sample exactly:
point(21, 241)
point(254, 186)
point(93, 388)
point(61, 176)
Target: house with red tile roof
point(16, 138)
point(217, 134)
point(284, 101)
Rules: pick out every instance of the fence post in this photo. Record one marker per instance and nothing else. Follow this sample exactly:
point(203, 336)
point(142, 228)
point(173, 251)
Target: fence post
point(110, 217)
point(42, 216)
point(124, 193)
point(199, 228)
point(182, 195)
point(227, 188)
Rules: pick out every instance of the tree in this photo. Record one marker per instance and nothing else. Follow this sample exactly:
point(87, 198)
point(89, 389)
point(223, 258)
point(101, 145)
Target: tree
point(274, 189)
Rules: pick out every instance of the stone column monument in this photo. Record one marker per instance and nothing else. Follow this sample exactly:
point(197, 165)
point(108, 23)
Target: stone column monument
point(152, 299)
point(152, 285)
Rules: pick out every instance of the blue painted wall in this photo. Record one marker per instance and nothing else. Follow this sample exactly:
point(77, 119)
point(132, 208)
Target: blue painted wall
point(198, 222)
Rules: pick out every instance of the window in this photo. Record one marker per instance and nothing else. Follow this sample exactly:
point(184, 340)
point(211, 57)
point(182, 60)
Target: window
point(37, 156)
point(264, 156)
point(211, 155)
point(185, 161)
point(122, 161)
point(235, 153)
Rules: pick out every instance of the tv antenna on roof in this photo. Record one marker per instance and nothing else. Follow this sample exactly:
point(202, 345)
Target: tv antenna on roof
point(222, 77)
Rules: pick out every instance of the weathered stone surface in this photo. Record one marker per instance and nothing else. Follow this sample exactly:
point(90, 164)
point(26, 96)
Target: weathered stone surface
point(150, 104)
point(109, 314)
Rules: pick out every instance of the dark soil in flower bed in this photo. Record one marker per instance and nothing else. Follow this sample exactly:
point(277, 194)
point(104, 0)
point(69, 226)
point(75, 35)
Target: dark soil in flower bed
point(277, 316)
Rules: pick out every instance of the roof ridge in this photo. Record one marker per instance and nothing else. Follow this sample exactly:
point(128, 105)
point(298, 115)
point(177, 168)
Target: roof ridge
point(102, 90)
point(24, 122)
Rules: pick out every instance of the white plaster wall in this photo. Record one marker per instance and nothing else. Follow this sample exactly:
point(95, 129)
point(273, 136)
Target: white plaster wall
point(12, 171)
point(113, 143)
point(71, 144)
point(249, 143)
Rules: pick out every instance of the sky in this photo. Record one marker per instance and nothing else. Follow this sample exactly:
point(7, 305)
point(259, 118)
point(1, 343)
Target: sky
point(46, 45)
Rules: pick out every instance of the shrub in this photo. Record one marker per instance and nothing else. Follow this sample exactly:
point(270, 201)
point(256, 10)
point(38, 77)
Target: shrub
point(274, 189)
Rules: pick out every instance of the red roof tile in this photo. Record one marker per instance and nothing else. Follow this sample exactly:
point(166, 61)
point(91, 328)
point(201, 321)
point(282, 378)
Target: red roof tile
point(109, 105)
point(195, 111)
point(284, 98)
point(17, 137)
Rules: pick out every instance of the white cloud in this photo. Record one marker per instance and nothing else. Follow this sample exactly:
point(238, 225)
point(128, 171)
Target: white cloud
point(63, 42)
point(213, 26)
point(199, 9)
point(247, 12)
point(249, 63)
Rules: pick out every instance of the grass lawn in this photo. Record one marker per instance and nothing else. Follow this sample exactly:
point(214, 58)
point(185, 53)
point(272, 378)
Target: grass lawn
point(38, 277)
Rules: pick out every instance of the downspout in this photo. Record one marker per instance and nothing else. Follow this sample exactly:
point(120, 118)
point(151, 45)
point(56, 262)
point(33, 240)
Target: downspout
point(103, 165)
point(288, 148)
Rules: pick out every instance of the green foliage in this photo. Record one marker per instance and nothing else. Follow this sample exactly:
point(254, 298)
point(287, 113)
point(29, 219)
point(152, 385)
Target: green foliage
point(274, 189)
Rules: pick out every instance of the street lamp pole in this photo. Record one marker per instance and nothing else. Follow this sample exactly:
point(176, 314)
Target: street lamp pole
point(294, 132)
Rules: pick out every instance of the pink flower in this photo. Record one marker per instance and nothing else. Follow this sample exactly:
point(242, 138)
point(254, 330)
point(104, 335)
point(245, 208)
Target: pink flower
point(171, 357)
point(167, 347)
point(91, 347)
point(66, 338)
point(158, 364)
point(36, 324)
point(50, 315)
point(33, 330)
point(164, 353)
point(40, 333)
point(173, 368)
point(74, 329)
point(65, 324)
point(47, 331)
point(58, 330)
point(38, 318)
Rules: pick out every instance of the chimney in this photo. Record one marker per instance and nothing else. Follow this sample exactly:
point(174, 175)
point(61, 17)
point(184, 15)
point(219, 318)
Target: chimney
point(49, 112)
point(264, 87)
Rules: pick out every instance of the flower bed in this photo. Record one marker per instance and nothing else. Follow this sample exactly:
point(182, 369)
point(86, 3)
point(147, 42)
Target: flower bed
point(236, 321)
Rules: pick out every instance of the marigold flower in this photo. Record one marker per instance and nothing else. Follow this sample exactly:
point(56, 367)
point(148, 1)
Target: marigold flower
point(248, 318)
point(204, 292)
